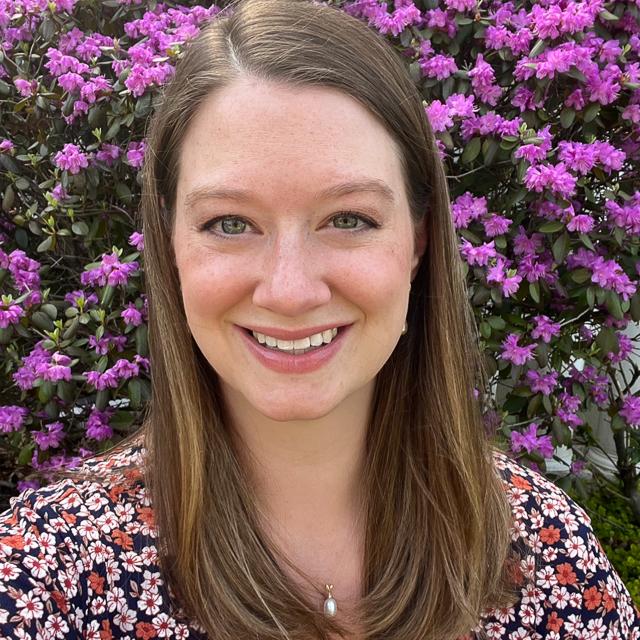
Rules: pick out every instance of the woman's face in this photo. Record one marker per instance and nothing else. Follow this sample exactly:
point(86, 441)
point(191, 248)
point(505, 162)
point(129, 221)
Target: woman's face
point(294, 245)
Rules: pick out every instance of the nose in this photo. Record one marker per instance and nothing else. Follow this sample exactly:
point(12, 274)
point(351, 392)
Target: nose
point(292, 280)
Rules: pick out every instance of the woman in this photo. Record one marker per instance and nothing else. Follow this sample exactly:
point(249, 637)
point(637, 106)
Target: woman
point(313, 463)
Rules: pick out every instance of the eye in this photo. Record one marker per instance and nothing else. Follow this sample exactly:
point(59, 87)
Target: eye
point(350, 220)
point(226, 225)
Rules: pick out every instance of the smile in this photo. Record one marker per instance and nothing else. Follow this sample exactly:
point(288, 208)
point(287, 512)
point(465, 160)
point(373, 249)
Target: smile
point(300, 346)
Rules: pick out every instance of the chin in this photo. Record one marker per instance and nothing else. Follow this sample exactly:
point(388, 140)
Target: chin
point(292, 411)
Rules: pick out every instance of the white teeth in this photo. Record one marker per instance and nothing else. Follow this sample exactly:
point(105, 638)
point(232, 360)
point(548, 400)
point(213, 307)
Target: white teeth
point(305, 343)
point(315, 340)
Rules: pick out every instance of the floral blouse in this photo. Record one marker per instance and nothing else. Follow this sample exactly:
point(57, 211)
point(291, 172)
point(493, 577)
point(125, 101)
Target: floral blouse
point(78, 559)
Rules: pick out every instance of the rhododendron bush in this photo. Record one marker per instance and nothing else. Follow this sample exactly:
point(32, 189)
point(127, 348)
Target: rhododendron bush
point(536, 110)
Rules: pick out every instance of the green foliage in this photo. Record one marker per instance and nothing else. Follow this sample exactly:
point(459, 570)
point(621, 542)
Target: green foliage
point(619, 534)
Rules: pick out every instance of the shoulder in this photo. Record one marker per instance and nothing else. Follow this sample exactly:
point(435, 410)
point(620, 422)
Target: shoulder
point(57, 543)
point(566, 585)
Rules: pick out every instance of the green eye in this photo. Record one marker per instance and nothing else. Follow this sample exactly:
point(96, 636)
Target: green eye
point(233, 226)
point(346, 221)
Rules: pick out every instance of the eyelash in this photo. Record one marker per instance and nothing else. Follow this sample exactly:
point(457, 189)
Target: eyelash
point(371, 224)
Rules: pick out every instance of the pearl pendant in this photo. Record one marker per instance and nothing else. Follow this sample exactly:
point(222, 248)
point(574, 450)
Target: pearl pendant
point(330, 604)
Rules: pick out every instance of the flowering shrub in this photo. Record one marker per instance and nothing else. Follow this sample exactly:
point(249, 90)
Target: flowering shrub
point(536, 110)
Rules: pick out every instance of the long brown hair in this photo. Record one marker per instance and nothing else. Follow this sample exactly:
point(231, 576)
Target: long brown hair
point(437, 520)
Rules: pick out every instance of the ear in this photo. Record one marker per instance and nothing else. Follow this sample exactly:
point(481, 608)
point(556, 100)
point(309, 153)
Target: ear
point(420, 246)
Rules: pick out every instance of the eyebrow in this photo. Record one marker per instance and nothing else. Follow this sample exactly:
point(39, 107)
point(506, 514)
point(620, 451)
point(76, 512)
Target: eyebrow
point(365, 185)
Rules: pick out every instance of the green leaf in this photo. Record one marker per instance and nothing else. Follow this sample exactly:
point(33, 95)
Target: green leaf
point(612, 303)
point(567, 116)
point(551, 227)
point(134, 390)
point(560, 248)
point(485, 330)
point(534, 291)
point(537, 48)
point(607, 15)
point(591, 297)
point(591, 112)
point(635, 307)
point(497, 323)
point(42, 321)
point(80, 228)
point(471, 151)
point(580, 275)
point(607, 340)
point(45, 245)
point(50, 309)
point(26, 453)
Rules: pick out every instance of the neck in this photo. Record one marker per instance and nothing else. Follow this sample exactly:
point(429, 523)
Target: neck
point(306, 473)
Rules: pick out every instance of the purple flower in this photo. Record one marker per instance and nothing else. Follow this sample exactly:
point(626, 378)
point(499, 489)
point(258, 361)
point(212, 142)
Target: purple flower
point(97, 427)
point(466, 208)
point(578, 156)
point(545, 328)
point(609, 157)
point(625, 216)
point(439, 66)
point(111, 272)
point(12, 418)
point(496, 225)
point(23, 485)
point(631, 410)
point(460, 105)
point(581, 223)
point(102, 381)
point(108, 154)
point(531, 442)
point(439, 116)
point(136, 240)
point(51, 438)
point(56, 369)
point(59, 193)
point(610, 275)
point(80, 299)
point(25, 88)
point(483, 81)
point(513, 352)
point(26, 375)
point(71, 159)
point(131, 315)
point(135, 154)
point(71, 81)
point(477, 255)
point(553, 177)
point(541, 383)
point(11, 314)
point(6, 146)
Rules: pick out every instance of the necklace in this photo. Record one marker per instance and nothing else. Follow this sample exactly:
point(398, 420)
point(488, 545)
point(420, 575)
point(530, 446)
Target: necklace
point(330, 604)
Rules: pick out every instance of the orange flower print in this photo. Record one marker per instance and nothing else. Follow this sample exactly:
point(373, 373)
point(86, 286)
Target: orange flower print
point(550, 535)
point(554, 622)
point(105, 632)
point(145, 631)
point(521, 483)
point(565, 574)
point(607, 601)
point(96, 582)
point(592, 598)
point(123, 539)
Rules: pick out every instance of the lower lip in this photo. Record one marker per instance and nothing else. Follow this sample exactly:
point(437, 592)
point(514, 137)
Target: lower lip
point(284, 362)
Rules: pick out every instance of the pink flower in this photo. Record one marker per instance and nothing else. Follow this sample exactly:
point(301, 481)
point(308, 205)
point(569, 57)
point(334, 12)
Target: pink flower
point(631, 410)
point(545, 328)
point(71, 159)
point(131, 315)
point(439, 117)
point(553, 177)
point(581, 223)
point(25, 88)
point(541, 383)
point(135, 154)
point(531, 442)
point(136, 240)
point(12, 418)
point(477, 255)
point(439, 66)
point(6, 146)
point(513, 352)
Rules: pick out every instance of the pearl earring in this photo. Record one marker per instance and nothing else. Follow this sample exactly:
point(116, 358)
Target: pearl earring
point(405, 328)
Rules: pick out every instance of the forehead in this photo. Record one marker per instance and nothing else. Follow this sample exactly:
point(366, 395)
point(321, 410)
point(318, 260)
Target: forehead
point(285, 137)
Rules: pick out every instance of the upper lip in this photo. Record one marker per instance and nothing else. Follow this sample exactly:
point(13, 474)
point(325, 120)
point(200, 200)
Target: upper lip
point(293, 334)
